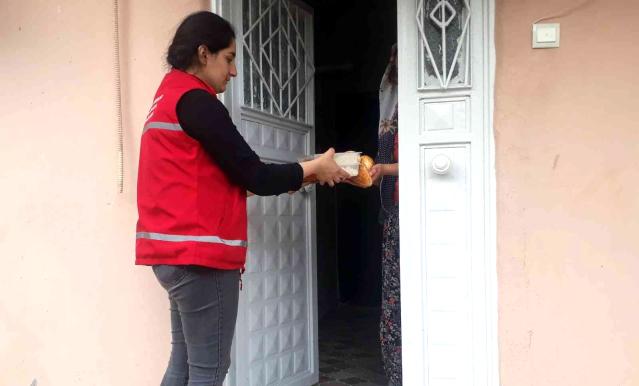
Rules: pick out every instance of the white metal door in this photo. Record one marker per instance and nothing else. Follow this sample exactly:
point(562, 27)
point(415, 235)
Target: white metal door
point(446, 195)
point(272, 105)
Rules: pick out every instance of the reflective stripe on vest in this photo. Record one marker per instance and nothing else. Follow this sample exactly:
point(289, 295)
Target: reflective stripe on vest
point(163, 126)
point(180, 238)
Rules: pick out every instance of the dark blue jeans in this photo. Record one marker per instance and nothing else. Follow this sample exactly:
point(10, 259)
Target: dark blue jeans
point(203, 313)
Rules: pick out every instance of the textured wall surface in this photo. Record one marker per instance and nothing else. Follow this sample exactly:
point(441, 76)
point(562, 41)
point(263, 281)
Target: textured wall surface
point(567, 179)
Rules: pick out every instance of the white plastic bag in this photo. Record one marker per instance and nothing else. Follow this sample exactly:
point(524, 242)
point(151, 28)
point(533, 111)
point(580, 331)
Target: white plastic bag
point(348, 160)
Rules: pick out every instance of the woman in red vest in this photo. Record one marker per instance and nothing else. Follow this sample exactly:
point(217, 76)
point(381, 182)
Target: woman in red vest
point(194, 173)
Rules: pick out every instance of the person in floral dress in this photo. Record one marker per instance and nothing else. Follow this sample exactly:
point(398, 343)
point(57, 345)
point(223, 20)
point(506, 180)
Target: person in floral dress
point(385, 174)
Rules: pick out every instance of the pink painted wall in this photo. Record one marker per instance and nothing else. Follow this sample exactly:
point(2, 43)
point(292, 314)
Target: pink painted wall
point(73, 308)
point(567, 142)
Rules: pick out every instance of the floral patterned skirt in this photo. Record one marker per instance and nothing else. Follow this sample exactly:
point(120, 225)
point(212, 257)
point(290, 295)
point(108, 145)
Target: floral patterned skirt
point(390, 323)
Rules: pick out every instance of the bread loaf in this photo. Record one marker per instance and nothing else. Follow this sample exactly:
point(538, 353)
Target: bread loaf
point(363, 178)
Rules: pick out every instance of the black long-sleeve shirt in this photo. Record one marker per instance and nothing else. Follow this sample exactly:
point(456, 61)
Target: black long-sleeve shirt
point(204, 118)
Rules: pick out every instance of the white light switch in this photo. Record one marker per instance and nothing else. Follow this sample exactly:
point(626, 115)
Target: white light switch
point(545, 35)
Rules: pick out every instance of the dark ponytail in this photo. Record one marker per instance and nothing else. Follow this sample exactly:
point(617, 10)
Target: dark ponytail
point(198, 28)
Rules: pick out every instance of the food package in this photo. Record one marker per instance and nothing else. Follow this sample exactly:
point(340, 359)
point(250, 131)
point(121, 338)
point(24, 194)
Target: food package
point(363, 178)
point(358, 166)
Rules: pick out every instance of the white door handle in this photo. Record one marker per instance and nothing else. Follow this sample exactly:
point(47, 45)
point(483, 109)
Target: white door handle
point(441, 164)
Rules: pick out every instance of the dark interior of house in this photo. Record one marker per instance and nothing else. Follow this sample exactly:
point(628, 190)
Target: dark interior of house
point(352, 47)
point(353, 40)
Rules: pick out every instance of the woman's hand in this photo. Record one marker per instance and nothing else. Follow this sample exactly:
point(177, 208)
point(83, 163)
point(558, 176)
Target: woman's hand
point(325, 169)
point(380, 170)
point(376, 173)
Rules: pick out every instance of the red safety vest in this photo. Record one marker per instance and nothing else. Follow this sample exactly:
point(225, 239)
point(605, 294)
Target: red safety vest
point(190, 213)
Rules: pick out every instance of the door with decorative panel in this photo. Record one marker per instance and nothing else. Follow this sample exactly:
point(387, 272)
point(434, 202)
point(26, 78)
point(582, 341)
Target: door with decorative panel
point(272, 104)
point(446, 193)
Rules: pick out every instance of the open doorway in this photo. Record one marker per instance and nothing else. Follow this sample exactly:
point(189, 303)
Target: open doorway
point(352, 45)
point(316, 256)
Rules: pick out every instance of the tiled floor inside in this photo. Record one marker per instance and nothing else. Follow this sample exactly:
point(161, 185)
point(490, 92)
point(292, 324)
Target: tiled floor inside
point(349, 352)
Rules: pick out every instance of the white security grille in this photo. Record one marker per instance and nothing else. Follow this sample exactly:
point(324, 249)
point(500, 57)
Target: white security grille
point(445, 53)
point(278, 64)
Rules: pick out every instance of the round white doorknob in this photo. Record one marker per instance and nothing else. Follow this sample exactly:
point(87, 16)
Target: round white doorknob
point(441, 164)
